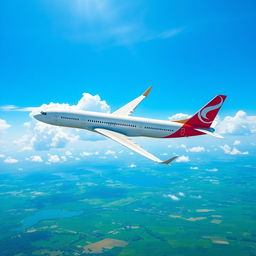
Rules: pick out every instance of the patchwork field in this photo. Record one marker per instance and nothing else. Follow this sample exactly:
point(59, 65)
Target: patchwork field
point(128, 212)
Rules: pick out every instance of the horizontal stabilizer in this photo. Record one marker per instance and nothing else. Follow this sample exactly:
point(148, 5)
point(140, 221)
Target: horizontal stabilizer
point(210, 133)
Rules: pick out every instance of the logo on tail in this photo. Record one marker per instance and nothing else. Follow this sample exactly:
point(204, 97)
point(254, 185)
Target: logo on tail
point(202, 115)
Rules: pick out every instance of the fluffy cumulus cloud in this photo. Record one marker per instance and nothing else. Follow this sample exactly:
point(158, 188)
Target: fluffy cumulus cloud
point(42, 136)
point(239, 124)
point(54, 159)
point(35, 158)
point(4, 125)
point(182, 159)
point(10, 160)
point(232, 151)
point(87, 102)
point(92, 103)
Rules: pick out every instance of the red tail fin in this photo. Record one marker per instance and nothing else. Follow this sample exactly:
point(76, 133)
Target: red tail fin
point(205, 116)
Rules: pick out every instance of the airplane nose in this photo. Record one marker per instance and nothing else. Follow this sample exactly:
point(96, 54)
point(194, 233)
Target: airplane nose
point(37, 117)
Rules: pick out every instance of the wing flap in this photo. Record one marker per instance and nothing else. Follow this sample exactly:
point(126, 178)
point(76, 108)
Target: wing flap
point(125, 141)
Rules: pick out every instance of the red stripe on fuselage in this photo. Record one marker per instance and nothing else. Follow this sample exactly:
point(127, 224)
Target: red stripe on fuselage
point(184, 131)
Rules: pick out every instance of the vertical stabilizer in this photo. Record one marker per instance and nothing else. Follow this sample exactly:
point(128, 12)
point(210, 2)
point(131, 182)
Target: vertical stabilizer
point(205, 116)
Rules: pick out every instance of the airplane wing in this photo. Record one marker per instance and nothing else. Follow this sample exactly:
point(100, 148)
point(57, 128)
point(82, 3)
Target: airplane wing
point(127, 109)
point(125, 141)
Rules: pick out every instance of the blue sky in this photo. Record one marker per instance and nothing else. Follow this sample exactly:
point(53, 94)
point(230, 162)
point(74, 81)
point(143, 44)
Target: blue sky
point(53, 51)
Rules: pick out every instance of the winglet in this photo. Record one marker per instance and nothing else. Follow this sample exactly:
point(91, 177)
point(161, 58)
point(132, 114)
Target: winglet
point(147, 91)
point(169, 160)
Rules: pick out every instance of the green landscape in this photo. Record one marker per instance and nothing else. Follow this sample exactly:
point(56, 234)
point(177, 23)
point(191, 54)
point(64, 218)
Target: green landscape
point(133, 211)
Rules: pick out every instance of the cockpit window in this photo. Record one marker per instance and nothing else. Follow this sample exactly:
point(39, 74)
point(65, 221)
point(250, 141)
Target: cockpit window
point(43, 113)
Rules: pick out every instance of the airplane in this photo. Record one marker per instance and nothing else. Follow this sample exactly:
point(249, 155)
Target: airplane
point(120, 125)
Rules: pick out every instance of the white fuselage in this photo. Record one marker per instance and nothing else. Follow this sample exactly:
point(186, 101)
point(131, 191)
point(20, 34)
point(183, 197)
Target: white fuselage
point(127, 125)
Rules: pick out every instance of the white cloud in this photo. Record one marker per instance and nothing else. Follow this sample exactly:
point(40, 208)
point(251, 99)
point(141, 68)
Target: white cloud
point(240, 124)
point(196, 149)
point(10, 160)
point(4, 125)
point(54, 159)
point(236, 142)
point(17, 108)
point(232, 151)
point(7, 107)
point(212, 170)
point(27, 124)
point(27, 148)
point(68, 153)
point(182, 146)
point(46, 136)
point(194, 168)
point(87, 102)
point(42, 136)
point(85, 154)
point(179, 116)
point(2, 155)
point(110, 152)
point(89, 153)
point(132, 166)
point(93, 103)
point(63, 158)
point(193, 149)
point(35, 158)
point(181, 194)
point(173, 197)
point(182, 159)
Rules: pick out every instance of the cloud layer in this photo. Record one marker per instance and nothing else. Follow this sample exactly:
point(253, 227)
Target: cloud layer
point(42, 136)
point(232, 151)
point(239, 124)
point(4, 125)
